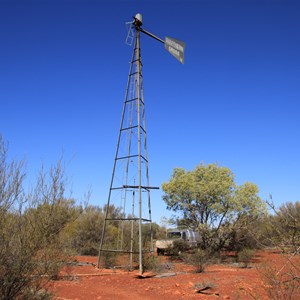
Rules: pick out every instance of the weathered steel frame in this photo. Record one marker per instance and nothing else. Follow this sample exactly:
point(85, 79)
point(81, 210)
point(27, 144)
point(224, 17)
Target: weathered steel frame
point(139, 187)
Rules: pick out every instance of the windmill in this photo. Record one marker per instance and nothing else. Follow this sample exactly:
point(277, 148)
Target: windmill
point(128, 208)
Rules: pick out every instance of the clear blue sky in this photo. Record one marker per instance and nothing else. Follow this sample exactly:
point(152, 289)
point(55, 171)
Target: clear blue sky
point(235, 101)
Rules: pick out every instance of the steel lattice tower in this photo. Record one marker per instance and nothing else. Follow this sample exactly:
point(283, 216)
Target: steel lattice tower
point(128, 209)
point(130, 188)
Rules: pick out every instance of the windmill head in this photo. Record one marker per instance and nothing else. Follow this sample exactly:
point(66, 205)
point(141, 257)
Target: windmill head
point(138, 20)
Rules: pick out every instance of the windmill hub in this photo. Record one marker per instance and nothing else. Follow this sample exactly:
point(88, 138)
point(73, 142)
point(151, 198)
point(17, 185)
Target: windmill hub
point(138, 20)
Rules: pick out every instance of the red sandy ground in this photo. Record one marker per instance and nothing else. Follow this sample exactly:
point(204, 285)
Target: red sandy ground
point(227, 281)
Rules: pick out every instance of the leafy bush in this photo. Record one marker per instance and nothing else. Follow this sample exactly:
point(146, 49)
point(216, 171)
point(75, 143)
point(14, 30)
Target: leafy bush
point(177, 247)
point(109, 259)
point(244, 256)
point(31, 223)
point(151, 263)
point(283, 228)
point(199, 259)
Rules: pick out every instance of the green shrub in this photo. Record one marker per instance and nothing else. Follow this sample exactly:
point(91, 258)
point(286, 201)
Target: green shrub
point(176, 249)
point(198, 259)
point(109, 259)
point(244, 256)
point(151, 263)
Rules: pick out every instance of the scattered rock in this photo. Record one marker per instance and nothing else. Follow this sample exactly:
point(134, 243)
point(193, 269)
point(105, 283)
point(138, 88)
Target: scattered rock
point(205, 291)
point(165, 275)
point(144, 276)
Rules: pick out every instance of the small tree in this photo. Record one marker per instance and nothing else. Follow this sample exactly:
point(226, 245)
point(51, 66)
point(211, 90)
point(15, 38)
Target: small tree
point(282, 230)
point(84, 234)
point(209, 199)
point(30, 228)
point(284, 226)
